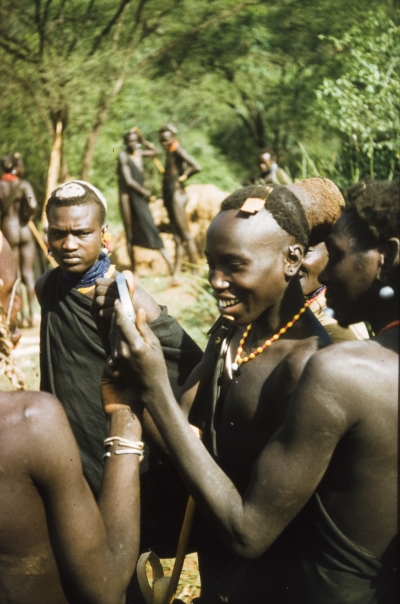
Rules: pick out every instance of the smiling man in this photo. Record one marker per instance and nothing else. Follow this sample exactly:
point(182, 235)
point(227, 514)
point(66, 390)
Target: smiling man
point(72, 353)
point(335, 454)
point(238, 394)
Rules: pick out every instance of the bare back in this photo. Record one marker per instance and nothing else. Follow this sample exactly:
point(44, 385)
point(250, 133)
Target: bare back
point(28, 570)
point(14, 220)
point(359, 488)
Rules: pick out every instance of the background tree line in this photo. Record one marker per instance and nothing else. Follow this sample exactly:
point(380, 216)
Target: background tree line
point(318, 82)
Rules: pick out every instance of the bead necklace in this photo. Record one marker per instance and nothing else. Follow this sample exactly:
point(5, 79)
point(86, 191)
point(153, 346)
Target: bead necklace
point(238, 358)
point(389, 326)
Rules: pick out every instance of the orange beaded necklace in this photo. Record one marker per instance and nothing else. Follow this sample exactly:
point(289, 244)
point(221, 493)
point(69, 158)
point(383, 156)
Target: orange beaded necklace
point(238, 358)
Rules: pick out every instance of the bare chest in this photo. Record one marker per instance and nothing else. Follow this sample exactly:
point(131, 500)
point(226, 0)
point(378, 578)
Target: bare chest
point(251, 405)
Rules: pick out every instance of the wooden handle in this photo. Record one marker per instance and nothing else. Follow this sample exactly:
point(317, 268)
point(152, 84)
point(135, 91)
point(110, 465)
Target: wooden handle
point(181, 551)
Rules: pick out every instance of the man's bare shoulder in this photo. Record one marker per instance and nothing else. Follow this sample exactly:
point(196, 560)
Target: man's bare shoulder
point(353, 373)
point(123, 157)
point(39, 285)
point(302, 350)
point(30, 407)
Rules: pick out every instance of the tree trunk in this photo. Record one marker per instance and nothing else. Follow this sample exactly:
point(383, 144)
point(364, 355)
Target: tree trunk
point(54, 168)
point(100, 119)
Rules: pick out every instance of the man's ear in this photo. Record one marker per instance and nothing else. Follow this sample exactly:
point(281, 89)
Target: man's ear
point(294, 258)
point(389, 258)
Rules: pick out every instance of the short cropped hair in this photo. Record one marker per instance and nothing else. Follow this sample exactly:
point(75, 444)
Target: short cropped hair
point(268, 150)
point(280, 202)
point(9, 162)
point(134, 130)
point(322, 203)
point(58, 201)
point(168, 128)
point(373, 212)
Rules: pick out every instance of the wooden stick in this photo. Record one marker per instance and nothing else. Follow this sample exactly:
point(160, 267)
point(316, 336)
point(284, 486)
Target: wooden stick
point(41, 243)
point(54, 166)
point(158, 165)
point(181, 551)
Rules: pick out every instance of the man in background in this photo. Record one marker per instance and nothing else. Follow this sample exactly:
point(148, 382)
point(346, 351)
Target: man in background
point(270, 172)
point(17, 207)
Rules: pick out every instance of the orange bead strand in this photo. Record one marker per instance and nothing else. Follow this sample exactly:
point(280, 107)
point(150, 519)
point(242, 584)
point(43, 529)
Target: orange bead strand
point(238, 358)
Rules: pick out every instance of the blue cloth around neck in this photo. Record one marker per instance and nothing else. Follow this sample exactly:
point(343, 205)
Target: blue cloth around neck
point(89, 277)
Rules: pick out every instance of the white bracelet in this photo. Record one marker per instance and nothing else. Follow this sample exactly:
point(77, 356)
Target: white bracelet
point(123, 442)
point(125, 452)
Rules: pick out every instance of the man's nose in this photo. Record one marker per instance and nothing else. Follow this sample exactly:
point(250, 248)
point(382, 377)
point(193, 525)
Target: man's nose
point(69, 243)
point(218, 280)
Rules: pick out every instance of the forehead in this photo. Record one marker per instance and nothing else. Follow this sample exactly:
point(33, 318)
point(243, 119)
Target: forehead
point(166, 134)
point(132, 135)
point(265, 156)
point(83, 216)
point(340, 236)
point(229, 232)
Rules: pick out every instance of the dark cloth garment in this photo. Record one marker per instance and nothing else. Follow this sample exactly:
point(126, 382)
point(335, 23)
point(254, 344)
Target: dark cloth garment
point(205, 412)
point(145, 232)
point(72, 360)
point(332, 569)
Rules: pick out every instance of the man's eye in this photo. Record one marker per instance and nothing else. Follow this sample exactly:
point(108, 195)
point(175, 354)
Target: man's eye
point(235, 266)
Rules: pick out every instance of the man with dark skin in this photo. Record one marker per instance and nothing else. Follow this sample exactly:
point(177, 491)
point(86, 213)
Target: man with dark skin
point(57, 545)
point(72, 354)
point(254, 254)
point(327, 205)
point(133, 197)
point(179, 166)
point(339, 435)
point(17, 207)
point(270, 172)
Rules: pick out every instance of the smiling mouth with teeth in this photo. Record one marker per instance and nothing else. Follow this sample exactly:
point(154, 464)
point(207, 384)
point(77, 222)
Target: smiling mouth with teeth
point(226, 303)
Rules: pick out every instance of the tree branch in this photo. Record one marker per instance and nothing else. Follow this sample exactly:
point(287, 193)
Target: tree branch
point(204, 25)
point(108, 27)
point(16, 53)
point(20, 45)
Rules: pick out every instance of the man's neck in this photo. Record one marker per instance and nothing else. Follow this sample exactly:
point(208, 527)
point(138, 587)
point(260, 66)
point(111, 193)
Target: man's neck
point(387, 311)
point(277, 316)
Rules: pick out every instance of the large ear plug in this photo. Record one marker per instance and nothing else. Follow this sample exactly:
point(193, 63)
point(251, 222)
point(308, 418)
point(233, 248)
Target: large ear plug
point(386, 292)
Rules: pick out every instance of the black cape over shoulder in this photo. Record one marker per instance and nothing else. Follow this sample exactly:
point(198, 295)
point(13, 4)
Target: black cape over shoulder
point(72, 360)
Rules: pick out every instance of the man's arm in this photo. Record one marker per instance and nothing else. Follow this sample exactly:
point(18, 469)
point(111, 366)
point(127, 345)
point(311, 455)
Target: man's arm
point(129, 181)
point(96, 546)
point(193, 167)
point(198, 368)
point(150, 150)
point(288, 470)
point(30, 197)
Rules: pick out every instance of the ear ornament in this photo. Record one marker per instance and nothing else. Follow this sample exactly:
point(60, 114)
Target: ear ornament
point(386, 292)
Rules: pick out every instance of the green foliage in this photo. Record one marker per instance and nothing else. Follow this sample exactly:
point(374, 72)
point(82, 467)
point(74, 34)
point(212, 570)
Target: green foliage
point(362, 106)
point(233, 77)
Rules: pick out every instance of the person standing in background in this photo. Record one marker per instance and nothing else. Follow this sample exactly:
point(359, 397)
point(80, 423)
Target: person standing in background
point(17, 207)
point(179, 166)
point(134, 197)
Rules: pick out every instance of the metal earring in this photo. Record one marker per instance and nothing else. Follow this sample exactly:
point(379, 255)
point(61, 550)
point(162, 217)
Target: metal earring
point(386, 292)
